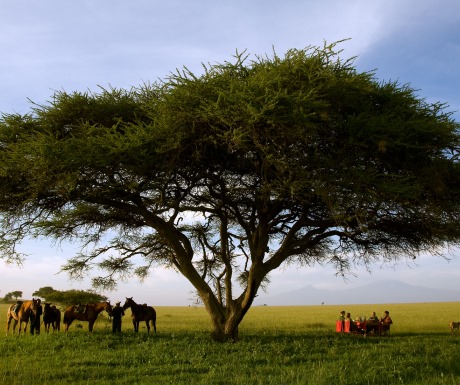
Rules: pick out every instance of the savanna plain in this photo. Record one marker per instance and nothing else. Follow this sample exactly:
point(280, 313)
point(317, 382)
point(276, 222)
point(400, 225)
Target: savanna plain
point(278, 345)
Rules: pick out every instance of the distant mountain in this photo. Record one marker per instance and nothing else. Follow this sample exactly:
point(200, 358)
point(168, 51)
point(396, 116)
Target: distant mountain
point(374, 293)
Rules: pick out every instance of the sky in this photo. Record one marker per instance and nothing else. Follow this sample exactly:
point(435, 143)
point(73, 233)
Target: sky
point(55, 45)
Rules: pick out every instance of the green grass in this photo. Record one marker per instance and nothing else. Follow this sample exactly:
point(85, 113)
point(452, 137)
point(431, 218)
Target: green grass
point(278, 345)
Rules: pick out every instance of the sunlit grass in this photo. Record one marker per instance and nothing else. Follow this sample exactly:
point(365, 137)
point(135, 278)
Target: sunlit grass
point(278, 345)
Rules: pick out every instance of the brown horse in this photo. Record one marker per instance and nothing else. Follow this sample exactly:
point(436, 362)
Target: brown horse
point(21, 314)
point(141, 313)
point(51, 317)
point(89, 315)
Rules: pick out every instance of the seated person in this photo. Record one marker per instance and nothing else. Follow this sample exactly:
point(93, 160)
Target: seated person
point(386, 321)
point(373, 318)
point(353, 326)
point(373, 324)
point(352, 323)
point(340, 325)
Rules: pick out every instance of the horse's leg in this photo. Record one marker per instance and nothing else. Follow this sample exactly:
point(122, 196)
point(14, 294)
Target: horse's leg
point(154, 322)
point(8, 322)
point(134, 325)
point(91, 324)
point(148, 326)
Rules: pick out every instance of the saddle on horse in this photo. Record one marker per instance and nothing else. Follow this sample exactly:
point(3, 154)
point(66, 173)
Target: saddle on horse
point(80, 309)
point(16, 307)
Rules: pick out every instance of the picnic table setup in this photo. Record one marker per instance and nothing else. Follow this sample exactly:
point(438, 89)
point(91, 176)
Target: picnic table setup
point(366, 327)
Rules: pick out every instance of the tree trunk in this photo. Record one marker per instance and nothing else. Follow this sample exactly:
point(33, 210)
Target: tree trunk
point(226, 319)
point(226, 330)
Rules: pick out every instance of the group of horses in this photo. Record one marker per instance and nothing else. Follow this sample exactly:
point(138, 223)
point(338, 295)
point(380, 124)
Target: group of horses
point(52, 315)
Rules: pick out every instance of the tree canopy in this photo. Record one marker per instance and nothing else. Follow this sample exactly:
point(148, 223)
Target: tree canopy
point(14, 294)
point(72, 297)
point(227, 175)
point(43, 292)
point(68, 297)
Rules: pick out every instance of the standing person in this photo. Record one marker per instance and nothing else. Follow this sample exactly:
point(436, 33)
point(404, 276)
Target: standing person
point(117, 314)
point(35, 319)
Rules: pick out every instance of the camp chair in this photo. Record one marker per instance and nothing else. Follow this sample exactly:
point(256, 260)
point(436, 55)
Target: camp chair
point(339, 326)
point(385, 329)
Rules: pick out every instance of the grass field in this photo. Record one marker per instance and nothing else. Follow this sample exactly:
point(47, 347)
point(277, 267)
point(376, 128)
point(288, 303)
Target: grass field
point(278, 345)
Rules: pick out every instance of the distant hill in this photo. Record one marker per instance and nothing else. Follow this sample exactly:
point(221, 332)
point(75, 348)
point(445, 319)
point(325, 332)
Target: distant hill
point(374, 293)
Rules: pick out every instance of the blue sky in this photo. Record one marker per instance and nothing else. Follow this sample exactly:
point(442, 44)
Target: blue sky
point(58, 45)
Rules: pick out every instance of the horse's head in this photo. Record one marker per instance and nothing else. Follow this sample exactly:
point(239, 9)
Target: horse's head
point(47, 308)
point(35, 304)
point(108, 308)
point(128, 303)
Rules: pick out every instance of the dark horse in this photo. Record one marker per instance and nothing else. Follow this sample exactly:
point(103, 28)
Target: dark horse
point(90, 314)
point(21, 314)
point(51, 317)
point(141, 313)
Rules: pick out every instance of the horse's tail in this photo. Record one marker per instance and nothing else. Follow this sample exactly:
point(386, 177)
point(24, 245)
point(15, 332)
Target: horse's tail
point(153, 319)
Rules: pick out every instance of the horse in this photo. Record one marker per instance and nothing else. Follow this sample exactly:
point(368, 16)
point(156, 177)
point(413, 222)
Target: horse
point(51, 317)
point(90, 314)
point(21, 314)
point(141, 313)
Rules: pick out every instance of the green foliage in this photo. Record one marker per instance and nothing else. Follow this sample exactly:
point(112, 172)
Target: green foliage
point(43, 292)
point(14, 294)
point(8, 297)
point(72, 297)
point(69, 297)
point(227, 175)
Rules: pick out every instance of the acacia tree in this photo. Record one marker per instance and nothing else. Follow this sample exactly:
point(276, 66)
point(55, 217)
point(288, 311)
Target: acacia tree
point(228, 175)
point(72, 297)
point(43, 292)
point(9, 296)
